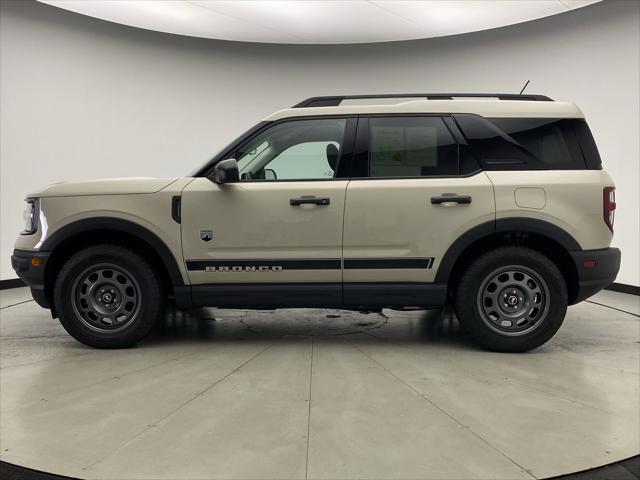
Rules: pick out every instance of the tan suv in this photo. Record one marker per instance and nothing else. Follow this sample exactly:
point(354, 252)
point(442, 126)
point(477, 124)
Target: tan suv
point(496, 204)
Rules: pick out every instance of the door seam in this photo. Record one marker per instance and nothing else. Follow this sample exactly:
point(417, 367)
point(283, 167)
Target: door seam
point(344, 215)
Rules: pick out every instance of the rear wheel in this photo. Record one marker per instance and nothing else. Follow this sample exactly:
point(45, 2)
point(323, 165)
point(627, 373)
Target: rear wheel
point(511, 299)
point(108, 297)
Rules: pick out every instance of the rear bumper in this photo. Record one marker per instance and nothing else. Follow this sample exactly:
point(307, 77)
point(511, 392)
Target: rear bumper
point(32, 275)
point(592, 279)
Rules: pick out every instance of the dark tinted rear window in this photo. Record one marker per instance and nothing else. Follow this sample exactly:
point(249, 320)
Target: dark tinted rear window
point(587, 144)
point(529, 143)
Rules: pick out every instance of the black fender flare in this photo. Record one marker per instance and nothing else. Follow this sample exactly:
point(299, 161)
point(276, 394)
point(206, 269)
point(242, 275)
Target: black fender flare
point(119, 225)
point(486, 229)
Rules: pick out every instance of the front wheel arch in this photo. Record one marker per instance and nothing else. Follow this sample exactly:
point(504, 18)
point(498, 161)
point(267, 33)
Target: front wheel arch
point(63, 243)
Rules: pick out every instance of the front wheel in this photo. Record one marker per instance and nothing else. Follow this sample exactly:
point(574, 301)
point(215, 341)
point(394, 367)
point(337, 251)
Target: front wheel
point(511, 299)
point(107, 296)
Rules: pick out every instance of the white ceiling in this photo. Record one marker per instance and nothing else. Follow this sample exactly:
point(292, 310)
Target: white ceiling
point(318, 21)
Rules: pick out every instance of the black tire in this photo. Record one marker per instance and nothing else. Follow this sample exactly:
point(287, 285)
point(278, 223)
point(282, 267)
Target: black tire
point(132, 297)
point(523, 280)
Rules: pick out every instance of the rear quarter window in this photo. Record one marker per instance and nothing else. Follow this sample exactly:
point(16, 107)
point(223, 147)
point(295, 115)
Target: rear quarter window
point(529, 143)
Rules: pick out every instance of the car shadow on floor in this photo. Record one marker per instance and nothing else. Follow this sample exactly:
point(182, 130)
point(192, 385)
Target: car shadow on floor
point(423, 327)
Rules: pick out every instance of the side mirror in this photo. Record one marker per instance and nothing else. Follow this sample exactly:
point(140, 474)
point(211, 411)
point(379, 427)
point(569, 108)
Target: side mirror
point(225, 171)
point(270, 174)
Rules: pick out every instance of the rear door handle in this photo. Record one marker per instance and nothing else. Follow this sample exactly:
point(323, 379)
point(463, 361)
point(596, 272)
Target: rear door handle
point(310, 200)
point(450, 198)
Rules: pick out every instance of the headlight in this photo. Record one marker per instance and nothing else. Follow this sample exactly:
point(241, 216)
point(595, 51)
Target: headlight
point(30, 217)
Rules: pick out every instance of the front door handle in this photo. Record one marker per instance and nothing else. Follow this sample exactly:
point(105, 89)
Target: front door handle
point(309, 199)
point(450, 198)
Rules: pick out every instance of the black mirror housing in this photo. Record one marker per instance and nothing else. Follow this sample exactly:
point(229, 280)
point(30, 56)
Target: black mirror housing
point(226, 171)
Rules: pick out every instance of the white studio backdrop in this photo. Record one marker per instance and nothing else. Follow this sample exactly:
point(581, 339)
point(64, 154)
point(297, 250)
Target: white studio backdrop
point(84, 98)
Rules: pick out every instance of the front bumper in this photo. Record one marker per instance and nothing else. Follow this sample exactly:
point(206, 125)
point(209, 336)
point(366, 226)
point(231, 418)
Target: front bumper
point(31, 272)
point(596, 269)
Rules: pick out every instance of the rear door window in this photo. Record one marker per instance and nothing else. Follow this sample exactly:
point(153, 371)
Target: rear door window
point(411, 147)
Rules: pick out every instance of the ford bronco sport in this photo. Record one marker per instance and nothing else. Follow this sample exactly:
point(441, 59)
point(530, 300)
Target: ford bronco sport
point(495, 204)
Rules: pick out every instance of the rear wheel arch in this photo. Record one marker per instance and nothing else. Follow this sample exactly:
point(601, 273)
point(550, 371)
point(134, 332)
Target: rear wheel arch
point(105, 230)
point(544, 237)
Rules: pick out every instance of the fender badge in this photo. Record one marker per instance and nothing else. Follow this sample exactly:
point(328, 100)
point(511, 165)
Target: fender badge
point(206, 235)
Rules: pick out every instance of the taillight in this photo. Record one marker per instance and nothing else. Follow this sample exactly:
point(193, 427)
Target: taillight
point(609, 205)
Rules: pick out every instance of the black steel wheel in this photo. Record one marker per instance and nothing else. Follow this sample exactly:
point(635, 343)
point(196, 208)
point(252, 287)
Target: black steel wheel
point(107, 296)
point(511, 299)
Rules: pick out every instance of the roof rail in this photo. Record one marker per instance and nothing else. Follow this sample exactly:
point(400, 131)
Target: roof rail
point(334, 101)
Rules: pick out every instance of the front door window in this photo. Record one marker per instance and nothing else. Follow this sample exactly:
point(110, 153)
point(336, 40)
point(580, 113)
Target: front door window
point(294, 150)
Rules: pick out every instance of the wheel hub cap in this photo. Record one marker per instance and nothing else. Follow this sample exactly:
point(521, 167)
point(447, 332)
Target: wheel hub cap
point(106, 298)
point(513, 300)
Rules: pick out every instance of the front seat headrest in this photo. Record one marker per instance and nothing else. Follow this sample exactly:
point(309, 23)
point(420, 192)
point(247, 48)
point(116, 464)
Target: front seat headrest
point(332, 156)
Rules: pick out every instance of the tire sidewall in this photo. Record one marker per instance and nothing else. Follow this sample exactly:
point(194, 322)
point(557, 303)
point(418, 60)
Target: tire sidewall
point(469, 313)
point(149, 296)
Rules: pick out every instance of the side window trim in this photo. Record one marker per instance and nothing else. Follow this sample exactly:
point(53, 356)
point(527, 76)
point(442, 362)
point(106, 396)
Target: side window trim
point(468, 164)
point(360, 157)
point(345, 161)
point(454, 130)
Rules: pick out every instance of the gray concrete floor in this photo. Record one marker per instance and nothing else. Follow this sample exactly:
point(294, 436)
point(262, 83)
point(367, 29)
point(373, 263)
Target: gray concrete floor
point(319, 394)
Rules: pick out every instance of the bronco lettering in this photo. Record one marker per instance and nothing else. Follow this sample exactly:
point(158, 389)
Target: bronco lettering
point(246, 268)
